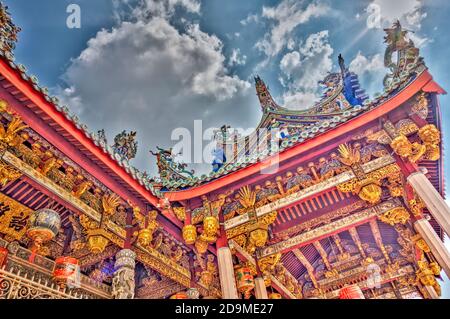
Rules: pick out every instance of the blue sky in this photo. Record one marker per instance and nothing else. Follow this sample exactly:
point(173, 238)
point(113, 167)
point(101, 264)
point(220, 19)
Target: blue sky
point(154, 65)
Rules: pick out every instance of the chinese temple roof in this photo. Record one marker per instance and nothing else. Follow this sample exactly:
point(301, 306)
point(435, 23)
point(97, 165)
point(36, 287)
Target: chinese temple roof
point(98, 141)
point(342, 101)
point(308, 214)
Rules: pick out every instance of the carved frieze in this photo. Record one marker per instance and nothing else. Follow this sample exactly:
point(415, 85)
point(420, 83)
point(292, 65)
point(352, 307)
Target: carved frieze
point(372, 166)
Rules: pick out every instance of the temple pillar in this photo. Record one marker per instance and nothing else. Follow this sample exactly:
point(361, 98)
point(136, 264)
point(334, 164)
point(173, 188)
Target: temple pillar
point(436, 245)
point(123, 285)
point(260, 288)
point(432, 199)
point(226, 273)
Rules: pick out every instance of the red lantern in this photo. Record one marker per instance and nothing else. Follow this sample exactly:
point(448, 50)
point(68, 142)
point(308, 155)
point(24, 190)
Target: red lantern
point(351, 292)
point(180, 295)
point(66, 270)
point(244, 281)
point(3, 256)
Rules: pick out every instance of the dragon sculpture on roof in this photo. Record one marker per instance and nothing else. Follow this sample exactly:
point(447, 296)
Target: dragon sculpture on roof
point(169, 170)
point(8, 30)
point(407, 54)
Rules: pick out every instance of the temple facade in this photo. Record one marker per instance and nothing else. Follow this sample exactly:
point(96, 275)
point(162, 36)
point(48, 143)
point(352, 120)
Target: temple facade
point(348, 203)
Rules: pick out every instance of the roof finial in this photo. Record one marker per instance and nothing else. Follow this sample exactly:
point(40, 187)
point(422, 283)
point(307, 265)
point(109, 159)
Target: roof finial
point(8, 30)
point(265, 99)
point(342, 64)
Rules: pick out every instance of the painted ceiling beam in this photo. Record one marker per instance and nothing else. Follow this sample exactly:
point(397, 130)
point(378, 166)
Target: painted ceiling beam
point(323, 254)
point(329, 229)
point(355, 237)
point(378, 239)
point(309, 268)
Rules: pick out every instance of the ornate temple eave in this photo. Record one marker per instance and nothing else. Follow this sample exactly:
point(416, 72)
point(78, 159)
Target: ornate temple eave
point(423, 81)
point(77, 144)
point(433, 87)
point(64, 195)
point(38, 275)
point(71, 139)
point(50, 188)
point(308, 192)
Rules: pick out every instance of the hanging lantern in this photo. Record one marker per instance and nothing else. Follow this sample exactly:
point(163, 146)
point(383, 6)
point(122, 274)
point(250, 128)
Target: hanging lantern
point(244, 280)
point(97, 240)
point(66, 270)
point(211, 226)
point(274, 295)
point(145, 237)
point(193, 293)
point(201, 246)
point(351, 292)
point(44, 226)
point(189, 234)
point(179, 295)
point(3, 256)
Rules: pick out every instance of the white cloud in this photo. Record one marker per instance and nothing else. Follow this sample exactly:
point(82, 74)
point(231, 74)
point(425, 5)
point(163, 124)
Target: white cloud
point(194, 53)
point(236, 58)
point(362, 64)
point(303, 69)
point(419, 41)
point(290, 44)
point(299, 100)
point(290, 62)
point(286, 16)
point(148, 76)
point(370, 70)
point(408, 11)
point(415, 18)
point(249, 19)
point(163, 8)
